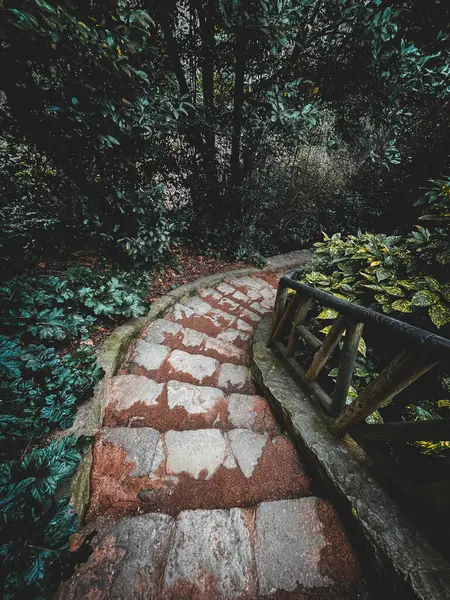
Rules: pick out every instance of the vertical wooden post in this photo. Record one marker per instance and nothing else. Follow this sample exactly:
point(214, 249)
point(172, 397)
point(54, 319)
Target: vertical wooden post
point(300, 318)
point(326, 349)
point(278, 310)
point(347, 365)
point(288, 311)
point(401, 372)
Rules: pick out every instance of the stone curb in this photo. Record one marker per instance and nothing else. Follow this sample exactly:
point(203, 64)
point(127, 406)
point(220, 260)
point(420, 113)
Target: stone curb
point(399, 558)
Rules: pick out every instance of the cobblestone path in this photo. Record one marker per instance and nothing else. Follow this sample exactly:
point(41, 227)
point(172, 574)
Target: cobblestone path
point(196, 493)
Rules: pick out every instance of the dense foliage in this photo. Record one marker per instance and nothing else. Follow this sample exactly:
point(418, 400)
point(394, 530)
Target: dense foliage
point(405, 277)
point(42, 381)
point(242, 126)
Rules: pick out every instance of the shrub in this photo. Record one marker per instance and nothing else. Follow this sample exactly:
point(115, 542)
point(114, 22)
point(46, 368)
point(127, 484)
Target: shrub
point(44, 377)
point(400, 276)
point(34, 525)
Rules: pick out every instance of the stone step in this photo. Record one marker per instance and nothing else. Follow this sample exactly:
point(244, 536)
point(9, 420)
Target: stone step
point(162, 364)
point(288, 549)
point(178, 337)
point(201, 316)
point(141, 469)
point(138, 401)
point(230, 305)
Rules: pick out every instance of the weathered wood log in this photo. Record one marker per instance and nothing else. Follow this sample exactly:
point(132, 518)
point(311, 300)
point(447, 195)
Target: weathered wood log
point(310, 339)
point(312, 387)
point(435, 430)
point(347, 365)
point(278, 310)
point(289, 309)
point(326, 348)
point(301, 314)
point(401, 372)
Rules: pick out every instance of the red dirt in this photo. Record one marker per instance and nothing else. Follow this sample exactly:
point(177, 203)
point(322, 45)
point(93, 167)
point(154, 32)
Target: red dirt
point(115, 490)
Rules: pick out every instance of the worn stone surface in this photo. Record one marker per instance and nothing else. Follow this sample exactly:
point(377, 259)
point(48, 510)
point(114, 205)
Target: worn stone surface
point(127, 390)
point(226, 289)
point(196, 366)
point(288, 546)
point(126, 561)
point(194, 399)
point(195, 451)
point(150, 356)
point(198, 305)
point(233, 377)
point(247, 447)
point(159, 329)
point(211, 556)
point(241, 411)
point(233, 336)
point(243, 326)
point(143, 446)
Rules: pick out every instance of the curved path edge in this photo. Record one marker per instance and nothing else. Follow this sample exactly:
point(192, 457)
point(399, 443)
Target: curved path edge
point(395, 551)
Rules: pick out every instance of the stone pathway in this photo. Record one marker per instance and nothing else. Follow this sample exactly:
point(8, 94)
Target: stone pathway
point(196, 493)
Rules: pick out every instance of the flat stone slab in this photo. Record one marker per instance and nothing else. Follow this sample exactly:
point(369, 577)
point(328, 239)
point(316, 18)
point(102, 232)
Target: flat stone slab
point(234, 378)
point(241, 410)
point(150, 356)
point(288, 260)
point(160, 329)
point(211, 556)
point(143, 446)
point(289, 542)
point(127, 390)
point(194, 452)
point(247, 447)
point(195, 366)
point(194, 399)
point(126, 560)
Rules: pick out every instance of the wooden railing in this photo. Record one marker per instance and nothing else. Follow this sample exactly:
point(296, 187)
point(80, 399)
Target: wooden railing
point(421, 352)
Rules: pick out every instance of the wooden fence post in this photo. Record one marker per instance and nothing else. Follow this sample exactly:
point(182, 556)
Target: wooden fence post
point(300, 317)
point(347, 365)
point(278, 310)
point(326, 349)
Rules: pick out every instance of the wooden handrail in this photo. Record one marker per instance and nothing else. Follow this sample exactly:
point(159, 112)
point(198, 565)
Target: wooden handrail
point(360, 314)
point(423, 351)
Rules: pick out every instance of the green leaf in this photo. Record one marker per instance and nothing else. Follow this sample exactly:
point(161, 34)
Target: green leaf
point(328, 313)
point(402, 306)
point(439, 314)
point(383, 274)
point(362, 348)
point(143, 75)
point(424, 298)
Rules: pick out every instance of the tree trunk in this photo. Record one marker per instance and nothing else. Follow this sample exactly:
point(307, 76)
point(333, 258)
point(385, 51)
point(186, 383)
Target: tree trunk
point(205, 147)
point(206, 19)
point(235, 162)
